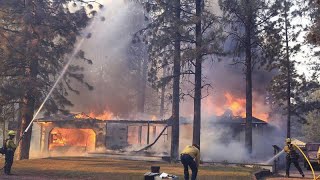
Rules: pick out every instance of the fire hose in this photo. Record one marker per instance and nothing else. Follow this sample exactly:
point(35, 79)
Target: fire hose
point(306, 158)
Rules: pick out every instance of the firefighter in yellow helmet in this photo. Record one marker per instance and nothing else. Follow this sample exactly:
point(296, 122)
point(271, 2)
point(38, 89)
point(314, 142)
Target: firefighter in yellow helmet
point(10, 148)
point(190, 157)
point(292, 157)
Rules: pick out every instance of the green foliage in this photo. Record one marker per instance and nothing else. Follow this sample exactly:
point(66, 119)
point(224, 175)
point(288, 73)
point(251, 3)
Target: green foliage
point(36, 37)
point(245, 20)
point(277, 60)
point(311, 128)
point(160, 35)
point(313, 36)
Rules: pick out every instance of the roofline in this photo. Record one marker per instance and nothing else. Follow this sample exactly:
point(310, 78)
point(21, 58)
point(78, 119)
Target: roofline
point(107, 121)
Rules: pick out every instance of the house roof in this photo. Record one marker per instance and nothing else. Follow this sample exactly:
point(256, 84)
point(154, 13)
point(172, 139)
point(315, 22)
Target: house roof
point(224, 119)
point(238, 120)
point(78, 117)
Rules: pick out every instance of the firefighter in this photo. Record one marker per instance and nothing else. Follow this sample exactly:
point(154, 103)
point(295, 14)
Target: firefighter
point(10, 148)
point(190, 157)
point(292, 157)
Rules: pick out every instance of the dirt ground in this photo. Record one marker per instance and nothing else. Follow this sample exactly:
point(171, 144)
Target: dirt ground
point(111, 169)
point(294, 174)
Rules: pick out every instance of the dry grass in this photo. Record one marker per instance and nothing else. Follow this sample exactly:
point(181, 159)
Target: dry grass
point(112, 169)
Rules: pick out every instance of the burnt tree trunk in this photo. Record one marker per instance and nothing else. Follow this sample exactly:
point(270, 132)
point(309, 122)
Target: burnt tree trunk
point(198, 77)
point(27, 115)
point(3, 124)
point(176, 85)
point(27, 112)
point(19, 120)
point(288, 73)
point(248, 65)
point(163, 92)
point(143, 84)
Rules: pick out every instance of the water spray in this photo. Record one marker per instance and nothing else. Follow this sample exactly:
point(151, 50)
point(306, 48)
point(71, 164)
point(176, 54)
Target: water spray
point(274, 157)
point(64, 70)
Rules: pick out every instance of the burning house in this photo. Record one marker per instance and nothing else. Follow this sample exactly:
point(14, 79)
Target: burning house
point(232, 127)
point(82, 133)
point(91, 133)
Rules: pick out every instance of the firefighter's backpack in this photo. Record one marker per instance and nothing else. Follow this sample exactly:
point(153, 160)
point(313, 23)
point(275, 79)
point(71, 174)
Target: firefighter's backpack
point(3, 149)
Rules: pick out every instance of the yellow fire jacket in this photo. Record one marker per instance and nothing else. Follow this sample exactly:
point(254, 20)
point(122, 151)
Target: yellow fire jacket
point(11, 145)
point(288, 150)
point(193, 152)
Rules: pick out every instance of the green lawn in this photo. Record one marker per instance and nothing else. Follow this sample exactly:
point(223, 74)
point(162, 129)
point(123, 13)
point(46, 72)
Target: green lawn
point(113, 169)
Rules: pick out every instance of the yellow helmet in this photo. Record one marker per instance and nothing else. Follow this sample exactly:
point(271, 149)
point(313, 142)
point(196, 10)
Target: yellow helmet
point(288, 140)
point(11, 133)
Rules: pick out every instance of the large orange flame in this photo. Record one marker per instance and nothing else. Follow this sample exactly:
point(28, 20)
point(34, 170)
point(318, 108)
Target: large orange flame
point(65, 138)
point(237, 105)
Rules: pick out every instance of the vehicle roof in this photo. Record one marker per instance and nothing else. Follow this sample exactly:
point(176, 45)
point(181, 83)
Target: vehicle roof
point(313, 143)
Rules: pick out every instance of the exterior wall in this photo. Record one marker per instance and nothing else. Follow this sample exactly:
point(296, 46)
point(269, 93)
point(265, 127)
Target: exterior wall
point(109, 135)
point(117, 134)
point(47, 127)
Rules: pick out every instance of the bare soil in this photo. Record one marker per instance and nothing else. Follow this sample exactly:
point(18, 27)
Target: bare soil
point(111, 169)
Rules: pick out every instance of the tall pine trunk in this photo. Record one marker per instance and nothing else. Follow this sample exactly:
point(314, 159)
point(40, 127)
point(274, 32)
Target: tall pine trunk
point(163, 92)
point(288, 73)
point(198, 74)
point(143, 84)
point(176, 85)
point(27, 115)
point(19, 120)
point(248, 65)
point(3, 124)
point(27, 112)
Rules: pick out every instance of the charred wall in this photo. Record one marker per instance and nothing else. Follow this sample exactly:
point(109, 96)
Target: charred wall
point(98, 127)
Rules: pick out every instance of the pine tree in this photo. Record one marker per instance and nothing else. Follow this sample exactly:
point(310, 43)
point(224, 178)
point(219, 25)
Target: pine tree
point(195, 42)
point(245, 22)
point(288, 88)
point(163, 36)
point(36, 36)
point(313, 36)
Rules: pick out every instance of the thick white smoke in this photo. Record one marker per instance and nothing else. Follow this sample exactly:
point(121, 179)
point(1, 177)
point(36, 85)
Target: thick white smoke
point(113, 85)
point(112, 74)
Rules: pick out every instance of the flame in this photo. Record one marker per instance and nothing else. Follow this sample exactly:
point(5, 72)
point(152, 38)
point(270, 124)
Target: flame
point(236, 105)
point(106, 115)
point(64, 137)
point(82, 116)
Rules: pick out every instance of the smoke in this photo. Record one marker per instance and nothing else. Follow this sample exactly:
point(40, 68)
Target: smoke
point(218, 143)
point(213, 147)
point(114, 74)
point(228, 92)
point(116, 87)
